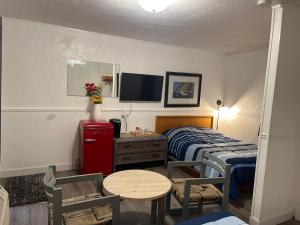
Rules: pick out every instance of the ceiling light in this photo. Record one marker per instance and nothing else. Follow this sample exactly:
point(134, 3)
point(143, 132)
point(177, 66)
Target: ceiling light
point(262, 2)
point(154, 5)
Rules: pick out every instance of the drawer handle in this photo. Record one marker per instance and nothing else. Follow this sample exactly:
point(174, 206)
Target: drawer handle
point(89, 140)
point(156, 145)
point(127, 146)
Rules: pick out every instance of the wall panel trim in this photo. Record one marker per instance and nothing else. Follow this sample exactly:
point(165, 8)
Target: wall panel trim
point(105, 109)
point(284, 137)
point(118, 109)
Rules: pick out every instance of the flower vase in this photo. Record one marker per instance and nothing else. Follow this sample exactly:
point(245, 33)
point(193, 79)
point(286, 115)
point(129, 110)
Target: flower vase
point(97, 113)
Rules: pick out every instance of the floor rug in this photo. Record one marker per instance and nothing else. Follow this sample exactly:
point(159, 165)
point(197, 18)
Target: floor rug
point(25, 189)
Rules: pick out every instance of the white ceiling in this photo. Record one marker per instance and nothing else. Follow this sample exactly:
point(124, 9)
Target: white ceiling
point(216, 25)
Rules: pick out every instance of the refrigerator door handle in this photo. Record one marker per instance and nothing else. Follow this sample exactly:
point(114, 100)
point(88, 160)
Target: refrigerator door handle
point(88, 140)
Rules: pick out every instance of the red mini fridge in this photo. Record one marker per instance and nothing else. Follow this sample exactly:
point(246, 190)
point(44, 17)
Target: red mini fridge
point(96, 147)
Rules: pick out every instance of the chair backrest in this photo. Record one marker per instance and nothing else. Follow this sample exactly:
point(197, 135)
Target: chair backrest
point(215, 163)
point(222, 168)
point(4, 207)
point(49, 181)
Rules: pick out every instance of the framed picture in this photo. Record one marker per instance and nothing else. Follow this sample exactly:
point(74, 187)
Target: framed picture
point(182, 89)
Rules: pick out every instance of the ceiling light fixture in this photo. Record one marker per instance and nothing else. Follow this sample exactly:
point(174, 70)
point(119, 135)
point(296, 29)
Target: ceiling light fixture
point(262, 2)
point(154, 5)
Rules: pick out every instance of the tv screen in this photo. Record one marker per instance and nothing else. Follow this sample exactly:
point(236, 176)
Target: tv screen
point(141, 87)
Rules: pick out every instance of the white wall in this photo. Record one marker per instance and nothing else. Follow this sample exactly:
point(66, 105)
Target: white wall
point(277, 180)
point(244, 87)
point(39, 120)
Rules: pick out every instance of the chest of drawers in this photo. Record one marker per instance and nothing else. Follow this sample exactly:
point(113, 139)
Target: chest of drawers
point(130, 149)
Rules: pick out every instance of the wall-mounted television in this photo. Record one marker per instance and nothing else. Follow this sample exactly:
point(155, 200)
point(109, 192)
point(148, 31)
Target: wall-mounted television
point(141, 87)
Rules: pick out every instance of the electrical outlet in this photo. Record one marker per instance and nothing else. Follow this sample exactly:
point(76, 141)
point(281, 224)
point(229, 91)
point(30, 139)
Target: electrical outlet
point(124, 116)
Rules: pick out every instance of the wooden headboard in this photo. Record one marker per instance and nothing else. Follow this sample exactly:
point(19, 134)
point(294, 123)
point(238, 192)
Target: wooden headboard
point(164, 123)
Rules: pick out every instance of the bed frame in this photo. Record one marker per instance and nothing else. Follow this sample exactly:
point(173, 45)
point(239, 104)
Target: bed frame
point(164, 123)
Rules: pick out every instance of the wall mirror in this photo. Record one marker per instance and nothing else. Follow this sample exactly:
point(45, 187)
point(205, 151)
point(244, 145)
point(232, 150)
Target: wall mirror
point(81, 72)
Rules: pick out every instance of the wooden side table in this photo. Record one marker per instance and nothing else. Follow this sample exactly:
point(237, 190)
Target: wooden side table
point(129, 149)
point(141, 185)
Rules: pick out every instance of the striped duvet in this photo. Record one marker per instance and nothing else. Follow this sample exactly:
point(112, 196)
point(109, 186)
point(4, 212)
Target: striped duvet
point(187, 144)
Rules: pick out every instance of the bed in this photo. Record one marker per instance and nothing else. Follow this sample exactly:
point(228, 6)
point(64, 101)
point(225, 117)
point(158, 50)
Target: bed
point(190, 136)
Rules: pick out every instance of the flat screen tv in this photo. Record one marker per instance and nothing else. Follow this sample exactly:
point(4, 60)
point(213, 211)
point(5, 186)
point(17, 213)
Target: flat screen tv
point(141, 87)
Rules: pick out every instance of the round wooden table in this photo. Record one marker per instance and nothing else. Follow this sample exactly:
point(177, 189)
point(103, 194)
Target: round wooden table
point(141, 185)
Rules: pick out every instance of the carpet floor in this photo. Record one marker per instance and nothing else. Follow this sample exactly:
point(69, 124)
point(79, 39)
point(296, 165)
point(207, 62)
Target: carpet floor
point(24, 190)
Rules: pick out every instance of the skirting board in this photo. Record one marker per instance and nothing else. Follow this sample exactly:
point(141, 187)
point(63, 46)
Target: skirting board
point(32, 170)
point(275, 219)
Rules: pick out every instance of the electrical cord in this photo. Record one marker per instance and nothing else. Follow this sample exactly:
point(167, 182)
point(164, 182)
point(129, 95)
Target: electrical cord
point(218, 118)
point(126, 116)
point(130, 110)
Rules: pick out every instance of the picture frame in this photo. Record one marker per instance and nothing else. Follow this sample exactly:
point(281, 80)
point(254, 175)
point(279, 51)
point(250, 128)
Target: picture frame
point(182, 89)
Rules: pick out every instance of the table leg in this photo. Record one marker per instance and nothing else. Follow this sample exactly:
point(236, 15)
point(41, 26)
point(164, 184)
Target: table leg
point(166, 160)
point(161, 211)
point(153, 211)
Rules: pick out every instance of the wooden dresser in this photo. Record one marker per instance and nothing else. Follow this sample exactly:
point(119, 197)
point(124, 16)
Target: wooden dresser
point(130, 149)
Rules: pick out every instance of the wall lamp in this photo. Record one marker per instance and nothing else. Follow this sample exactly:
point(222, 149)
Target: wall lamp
point(219, 103)
point(224, 112)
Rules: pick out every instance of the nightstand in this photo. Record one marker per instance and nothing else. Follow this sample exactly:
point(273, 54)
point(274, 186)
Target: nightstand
point(129, 149)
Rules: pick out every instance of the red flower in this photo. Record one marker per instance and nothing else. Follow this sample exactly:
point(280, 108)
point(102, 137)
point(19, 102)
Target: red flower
point(92, 89)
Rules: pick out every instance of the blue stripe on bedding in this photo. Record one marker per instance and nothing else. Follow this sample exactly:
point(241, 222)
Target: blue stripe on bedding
point(187, 144)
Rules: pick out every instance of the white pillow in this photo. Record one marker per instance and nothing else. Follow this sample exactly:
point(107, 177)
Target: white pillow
point(230, 220)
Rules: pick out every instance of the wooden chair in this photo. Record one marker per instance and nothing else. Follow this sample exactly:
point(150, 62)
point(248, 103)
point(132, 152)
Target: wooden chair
point(4, 207)
point(82, 210)
point(193, 193)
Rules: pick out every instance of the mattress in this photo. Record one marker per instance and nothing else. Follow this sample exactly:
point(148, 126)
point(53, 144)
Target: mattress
point(187, 144)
